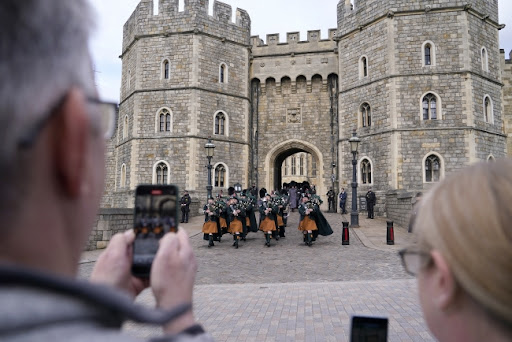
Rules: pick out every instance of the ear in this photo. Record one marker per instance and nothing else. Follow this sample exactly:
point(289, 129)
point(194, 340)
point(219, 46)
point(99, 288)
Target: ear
point(70, 142)
point(443, 282)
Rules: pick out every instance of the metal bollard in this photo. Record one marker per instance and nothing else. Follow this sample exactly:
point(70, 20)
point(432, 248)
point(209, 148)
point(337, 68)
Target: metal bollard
point(390, 233)
point(346, 237)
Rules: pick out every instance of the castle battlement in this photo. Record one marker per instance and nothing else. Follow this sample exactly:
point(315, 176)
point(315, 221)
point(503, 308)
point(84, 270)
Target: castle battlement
point(353, 14)
point(193, 17)
point(314, 37)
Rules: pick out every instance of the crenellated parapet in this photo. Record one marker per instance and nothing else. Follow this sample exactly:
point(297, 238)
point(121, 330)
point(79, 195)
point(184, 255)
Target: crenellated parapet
point(293, 43)
point(355, 14)
point(194, 17)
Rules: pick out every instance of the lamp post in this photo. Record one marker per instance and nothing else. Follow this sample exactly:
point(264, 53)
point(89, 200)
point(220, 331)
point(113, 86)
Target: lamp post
point(333, 179)
point(209, 147)
point(354, 214)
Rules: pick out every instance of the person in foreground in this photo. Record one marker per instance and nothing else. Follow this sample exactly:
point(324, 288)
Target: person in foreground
point(463, 258)
point(52, 145)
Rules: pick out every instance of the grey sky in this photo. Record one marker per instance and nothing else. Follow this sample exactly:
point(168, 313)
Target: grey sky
point(267, 16)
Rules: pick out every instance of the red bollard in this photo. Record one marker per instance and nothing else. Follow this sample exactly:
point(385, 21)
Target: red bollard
point(346, 237)
point(391, 233)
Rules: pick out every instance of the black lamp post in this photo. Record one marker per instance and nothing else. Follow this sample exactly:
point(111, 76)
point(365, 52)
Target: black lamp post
point(354, 214)
point(333, 179)
point(209, 147)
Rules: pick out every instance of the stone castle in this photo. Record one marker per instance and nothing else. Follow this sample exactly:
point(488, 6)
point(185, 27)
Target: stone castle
point(423, 84)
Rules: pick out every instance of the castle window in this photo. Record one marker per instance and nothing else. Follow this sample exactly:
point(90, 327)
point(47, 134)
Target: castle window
point(220, 123)
point(301, 165)
point(432, 168)
point(223, 73)
point(123, 176)
point(220, 176)
point(164, 120)
point(488, 109)
point(366, 171)
point(366, 115)
point(313, 167)
point(429, 107)
point(155, 7)
point(485, 59)
point(162, 171)
point(428, 51)
point(125, 127)
point(363, 67)
point(166, 72)
point(294, 166)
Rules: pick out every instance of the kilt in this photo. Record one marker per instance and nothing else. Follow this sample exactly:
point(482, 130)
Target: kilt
point(223, 222)
point(280, 221)
point(236, 226)
point(210, 227)
point(268, 225)
point(307, 224)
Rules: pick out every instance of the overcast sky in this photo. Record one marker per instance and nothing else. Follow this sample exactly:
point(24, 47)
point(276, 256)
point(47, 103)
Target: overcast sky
point(267, 16)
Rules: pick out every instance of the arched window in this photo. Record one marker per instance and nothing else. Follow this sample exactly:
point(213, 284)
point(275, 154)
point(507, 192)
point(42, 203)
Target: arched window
point(485, 59)
point(165, 121)
point(366, 115)
point(220, 123)
point(123, 176)
point(363, 67)
point(428, 54)
point(313, 167)
point(223, 73)
point(162, 172)
point(125, 127)
point(429, 107)
point(366, 171)
point(301, 165)
point(432, 168)
point(286, 167)
point(166, 70)
point(294, 166)
point(220, 176)
point(488, 109)
point(490, 158)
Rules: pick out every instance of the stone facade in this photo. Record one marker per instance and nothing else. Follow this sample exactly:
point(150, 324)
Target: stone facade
point(421, 83)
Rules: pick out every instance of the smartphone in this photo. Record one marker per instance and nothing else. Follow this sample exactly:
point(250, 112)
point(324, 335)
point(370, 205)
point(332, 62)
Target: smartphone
point(156, 213)
point(369, 329)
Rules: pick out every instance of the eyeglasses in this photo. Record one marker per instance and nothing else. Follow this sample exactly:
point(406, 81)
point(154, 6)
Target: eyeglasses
point(106, 110)
point(414, 260)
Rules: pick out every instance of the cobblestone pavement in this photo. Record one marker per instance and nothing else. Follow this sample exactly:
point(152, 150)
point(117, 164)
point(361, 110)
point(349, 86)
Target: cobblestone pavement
point(291, 292)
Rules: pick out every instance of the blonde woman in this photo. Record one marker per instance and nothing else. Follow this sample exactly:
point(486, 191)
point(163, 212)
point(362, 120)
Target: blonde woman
point(463, 259)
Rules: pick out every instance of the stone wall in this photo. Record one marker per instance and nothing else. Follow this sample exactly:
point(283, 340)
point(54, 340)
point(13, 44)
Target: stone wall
point(398, 206)
point(109, 222)
point(506, 67)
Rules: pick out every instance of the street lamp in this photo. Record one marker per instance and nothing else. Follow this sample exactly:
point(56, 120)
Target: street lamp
point(354, 215)
point(333, 179)
point(209, 147)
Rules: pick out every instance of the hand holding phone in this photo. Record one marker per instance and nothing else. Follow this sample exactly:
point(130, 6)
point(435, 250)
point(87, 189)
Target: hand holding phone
point(156, 213)
point(369, 329)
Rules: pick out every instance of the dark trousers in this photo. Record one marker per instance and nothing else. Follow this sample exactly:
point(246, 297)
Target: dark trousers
point(184, 215)
point(342, 206)
point(331, 204)
point(370, 211)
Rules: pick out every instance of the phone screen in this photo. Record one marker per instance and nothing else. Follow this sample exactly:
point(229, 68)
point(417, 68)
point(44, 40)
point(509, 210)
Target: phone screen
point(369, 329)
point(155, 214)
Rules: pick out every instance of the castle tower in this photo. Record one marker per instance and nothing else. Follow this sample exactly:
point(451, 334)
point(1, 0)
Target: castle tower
point(184, 79)
point(420, 83)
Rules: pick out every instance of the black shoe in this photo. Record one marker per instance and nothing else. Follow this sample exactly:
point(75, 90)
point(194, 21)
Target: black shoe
point(210, 241)
point(236, 244)
point(182, 221)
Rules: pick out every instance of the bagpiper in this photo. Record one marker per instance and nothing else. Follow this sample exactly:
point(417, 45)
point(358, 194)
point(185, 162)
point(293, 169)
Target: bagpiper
point(211, 228)
point(236, 219)
point(267, 218)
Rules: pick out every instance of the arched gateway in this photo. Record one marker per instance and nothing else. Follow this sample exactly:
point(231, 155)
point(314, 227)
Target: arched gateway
point(275, 157)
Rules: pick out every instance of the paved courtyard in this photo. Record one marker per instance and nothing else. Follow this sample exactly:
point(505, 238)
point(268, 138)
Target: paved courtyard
point(291, 292)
